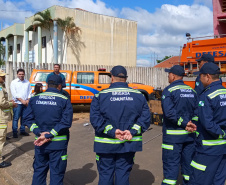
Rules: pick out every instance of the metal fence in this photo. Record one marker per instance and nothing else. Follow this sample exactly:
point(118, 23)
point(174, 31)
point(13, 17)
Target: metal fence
point(155, 77)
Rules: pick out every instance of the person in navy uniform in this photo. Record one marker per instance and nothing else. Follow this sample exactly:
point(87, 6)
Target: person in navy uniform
point(179, 105)
point(119, 116)
point(201, 61)
point(209, 163)
point(49, 116)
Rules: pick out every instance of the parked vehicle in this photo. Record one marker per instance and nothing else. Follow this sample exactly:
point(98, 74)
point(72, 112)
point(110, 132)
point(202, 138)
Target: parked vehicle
point(82, 85)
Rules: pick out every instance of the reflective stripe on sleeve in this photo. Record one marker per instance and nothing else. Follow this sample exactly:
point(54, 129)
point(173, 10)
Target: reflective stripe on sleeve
point(115, 141)
point(107, 128)
point(180, 87)
point(137, 127)
point(168, 181)
point(196, 118)
point(221, 136)
point(186, 177)
point(97, 157)
point(3, 126)
point(198, 166)
point(57, 138)
point(6, 110)
point(168, 147)
point(177, 132)
point(216, 93)
point(180, 121)
point(33, 126)
point(64, 157)
point(54, 132)
point(214, 142)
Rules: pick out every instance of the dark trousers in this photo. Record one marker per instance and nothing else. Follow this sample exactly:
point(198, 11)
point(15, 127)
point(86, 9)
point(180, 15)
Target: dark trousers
point(208, 169)
point(18, 114)
point(175, 155)
point(55, 160)
point(114, 168)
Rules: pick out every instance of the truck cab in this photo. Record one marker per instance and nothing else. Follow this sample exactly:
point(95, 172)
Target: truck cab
point(83, 85)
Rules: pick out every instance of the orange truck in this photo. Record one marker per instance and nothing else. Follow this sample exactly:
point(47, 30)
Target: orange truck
point(195, 48)
point(82, 85)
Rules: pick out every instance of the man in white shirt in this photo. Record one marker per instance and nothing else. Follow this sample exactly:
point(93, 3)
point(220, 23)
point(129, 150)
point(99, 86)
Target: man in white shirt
point(21, 92)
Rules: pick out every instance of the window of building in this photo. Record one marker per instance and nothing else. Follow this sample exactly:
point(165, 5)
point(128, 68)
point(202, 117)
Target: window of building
point(85, 78)
point(18, 48)
point(43, 42)
point(30, 45)
point(10, 50)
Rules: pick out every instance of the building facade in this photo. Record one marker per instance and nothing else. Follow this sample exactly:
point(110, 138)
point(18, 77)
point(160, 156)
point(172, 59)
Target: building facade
point(103, 40)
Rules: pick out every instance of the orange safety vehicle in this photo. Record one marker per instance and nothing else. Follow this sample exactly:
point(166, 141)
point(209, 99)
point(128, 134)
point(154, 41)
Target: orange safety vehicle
point(194, 50)
point(82, 85)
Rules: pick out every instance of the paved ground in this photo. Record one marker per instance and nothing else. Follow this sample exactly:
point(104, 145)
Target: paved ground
point(81, 169)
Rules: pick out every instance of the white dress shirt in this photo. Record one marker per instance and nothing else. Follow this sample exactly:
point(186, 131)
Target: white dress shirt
point(20, 89)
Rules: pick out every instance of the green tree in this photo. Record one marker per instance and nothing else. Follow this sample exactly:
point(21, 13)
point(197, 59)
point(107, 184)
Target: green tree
point(44, 20)
point(2, 54)
point(72, 36)
point(165, 58)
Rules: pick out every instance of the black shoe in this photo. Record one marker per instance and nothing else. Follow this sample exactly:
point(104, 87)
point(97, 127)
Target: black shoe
point(3, 158)
point(5, 164)
point(15, 135)
point(7, 138)
point(24, 134)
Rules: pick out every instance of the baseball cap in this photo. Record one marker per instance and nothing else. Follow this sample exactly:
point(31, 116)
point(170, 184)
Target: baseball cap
point(210, 68)
point(2, 73)
point(119, 71)
point(177, 70)
point(55, 80)
point(206, 57)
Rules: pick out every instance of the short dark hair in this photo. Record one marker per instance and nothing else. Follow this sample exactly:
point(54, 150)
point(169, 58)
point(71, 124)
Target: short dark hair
point(52, 85)
point(20, 70)
point(215, 77)
point(57, 65)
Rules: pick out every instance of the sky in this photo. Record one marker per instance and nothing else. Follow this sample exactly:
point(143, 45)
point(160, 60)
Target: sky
point(161, 24)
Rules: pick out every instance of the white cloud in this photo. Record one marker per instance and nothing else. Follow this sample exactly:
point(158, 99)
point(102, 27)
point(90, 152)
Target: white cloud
point(163, 31)
point(17, 15)
point(143, 63)
point(89, 5)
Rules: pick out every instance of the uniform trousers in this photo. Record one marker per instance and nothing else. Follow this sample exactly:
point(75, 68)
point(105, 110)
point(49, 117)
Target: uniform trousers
point(55, 160)
point(208, 169)
point(114, 168)
point(3, 130)
point(175, 155)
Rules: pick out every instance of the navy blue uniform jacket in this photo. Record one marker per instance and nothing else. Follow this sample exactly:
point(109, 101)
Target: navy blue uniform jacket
point(179, 104)
point(198, 86)
point(52, 112)
point(212, 120)
point(119, 107)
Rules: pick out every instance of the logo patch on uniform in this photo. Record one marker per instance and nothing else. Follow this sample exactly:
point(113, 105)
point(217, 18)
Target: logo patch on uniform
point(201, 103)
point(0, 89)
point(163, 97)
point(197, 83)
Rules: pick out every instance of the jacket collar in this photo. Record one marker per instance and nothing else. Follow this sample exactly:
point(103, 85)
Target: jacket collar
point(177, 82)
point(119, 84)
point(214, 84)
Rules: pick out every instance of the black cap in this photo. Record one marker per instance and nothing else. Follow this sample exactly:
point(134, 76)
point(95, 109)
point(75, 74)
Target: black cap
point(206, 57)
point(177, 70)
point(119, 71)
point(210, 68)
point(55, 80)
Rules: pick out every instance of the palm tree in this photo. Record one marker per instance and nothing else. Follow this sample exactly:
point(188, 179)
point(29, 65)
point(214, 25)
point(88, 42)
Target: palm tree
point(72, 35)
point(2, 54)
point(44, 20)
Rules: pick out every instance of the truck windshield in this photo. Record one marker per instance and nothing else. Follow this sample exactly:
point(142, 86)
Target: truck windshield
point(41, 76)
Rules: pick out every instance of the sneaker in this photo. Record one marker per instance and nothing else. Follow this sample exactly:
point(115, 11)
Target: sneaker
point(5, 164)
point(24, 134)
point(15, 135)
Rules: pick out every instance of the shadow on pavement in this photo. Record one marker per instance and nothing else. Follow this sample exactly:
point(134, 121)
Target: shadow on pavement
point(140, 176)
point(81, 176)
point(15, 153)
